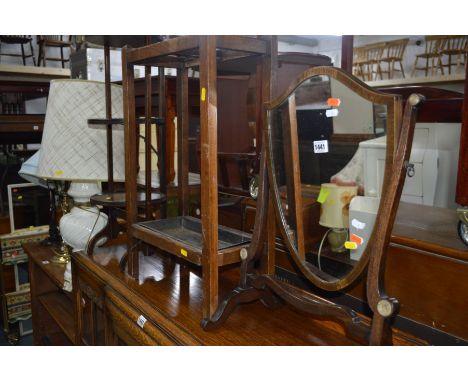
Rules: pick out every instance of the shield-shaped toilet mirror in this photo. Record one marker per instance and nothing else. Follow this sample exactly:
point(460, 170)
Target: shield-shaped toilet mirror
point(330, 148)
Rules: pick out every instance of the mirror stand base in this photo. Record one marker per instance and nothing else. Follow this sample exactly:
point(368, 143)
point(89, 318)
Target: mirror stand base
point(315, 306)
point(237, 296)
point(272, 292)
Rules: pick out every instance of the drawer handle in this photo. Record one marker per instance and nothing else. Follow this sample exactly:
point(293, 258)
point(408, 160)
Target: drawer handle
point(410, 170)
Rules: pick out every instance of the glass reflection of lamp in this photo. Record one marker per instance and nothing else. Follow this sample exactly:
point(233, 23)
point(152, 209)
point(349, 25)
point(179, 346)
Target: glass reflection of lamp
point(334, 214)
point(73, 151)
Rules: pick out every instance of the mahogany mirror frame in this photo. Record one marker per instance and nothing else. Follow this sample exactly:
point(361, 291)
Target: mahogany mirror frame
point(394, 106)
point(258, 281)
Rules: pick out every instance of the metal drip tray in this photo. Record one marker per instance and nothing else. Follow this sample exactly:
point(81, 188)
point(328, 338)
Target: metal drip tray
point(188, 230)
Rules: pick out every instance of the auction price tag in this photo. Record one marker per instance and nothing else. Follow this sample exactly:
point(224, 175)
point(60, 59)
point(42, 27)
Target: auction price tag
point(320, 147)
point(141, 321)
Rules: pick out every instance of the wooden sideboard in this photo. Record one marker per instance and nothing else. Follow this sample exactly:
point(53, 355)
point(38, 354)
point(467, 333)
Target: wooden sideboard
point(163, 307)
point(426, 270)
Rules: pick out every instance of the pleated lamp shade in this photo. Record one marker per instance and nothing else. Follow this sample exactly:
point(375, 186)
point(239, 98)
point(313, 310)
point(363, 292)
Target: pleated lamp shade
point(71, 149)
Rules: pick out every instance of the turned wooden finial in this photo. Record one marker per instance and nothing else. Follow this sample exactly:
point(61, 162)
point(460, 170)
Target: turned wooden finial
point(415, 99)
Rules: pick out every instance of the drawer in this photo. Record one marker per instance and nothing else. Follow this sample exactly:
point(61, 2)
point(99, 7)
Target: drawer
point(130, 326)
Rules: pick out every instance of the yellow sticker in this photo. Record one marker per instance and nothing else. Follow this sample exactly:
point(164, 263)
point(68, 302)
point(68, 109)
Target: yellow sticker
point(58, 172)
point(323, 195)
point(203, 94)
point(183, 252)
point(20, 197)
point(350, 245)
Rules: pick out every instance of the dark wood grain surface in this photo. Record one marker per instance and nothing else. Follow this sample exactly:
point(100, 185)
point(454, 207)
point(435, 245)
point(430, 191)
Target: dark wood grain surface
point(42, 255)
point(429, 228)
point(176, 293)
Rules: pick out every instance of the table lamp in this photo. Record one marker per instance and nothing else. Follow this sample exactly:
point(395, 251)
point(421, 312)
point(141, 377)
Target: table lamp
point(334, 212)
point(72, 150)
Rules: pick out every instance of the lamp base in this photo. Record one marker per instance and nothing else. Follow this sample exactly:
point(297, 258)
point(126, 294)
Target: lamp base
point(84, 221)
point(80, 225)
point(62, 257)
point(337, 238)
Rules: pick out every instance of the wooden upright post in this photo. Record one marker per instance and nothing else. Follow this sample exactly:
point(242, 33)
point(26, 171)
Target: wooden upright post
point(182, 139)
point(131, 160)
point(108, 96)
point(162, 139)
point(347, 53)
point(148, 153)
point(209, 173)
point(462, 179)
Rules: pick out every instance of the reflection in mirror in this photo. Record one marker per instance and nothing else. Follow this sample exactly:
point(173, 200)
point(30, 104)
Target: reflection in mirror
point(320, 138)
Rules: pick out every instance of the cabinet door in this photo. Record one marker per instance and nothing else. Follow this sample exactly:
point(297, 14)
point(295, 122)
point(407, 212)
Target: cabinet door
point(91, 316)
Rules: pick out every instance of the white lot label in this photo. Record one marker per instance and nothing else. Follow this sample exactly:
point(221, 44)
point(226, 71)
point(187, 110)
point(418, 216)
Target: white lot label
point(141, 321)
point(331, 113)
point(320, 147)
point(357, 224)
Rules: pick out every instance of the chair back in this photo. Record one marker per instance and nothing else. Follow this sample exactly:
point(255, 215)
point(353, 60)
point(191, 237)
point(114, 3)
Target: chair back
point(375, 51)
point(454, 43)
point(14, 39)
point(54, 38)
point(359, 54)
point(433, 44)
point(396, 49)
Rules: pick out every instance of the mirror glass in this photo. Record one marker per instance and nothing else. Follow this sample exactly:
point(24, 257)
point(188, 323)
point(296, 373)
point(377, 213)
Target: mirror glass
point(327, 148)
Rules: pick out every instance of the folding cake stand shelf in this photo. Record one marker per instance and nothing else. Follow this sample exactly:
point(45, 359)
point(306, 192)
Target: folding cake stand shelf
point(182, 236)
point(200, 241)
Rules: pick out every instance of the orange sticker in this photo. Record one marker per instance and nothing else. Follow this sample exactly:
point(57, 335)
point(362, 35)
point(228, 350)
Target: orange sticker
point(333, 102)
point(356, 239)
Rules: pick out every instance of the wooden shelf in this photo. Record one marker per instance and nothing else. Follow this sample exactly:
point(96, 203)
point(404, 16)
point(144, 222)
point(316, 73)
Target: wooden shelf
point(185, 50)
point(434, 80)
point(182, 237)
point(32, 73)
point(120, 121)
point(61, 310)
point(21, 128)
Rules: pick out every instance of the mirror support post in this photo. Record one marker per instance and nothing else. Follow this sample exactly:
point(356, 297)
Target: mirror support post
point(347, 42)
point(383, 306)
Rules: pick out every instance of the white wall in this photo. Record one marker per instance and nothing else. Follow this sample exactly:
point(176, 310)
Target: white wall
point(327, 45)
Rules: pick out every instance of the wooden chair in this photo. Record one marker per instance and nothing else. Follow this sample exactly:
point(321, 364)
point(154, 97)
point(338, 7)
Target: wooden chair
point(431, 54)
point(453, 46)
point(359, 57)
point(393, 53)
point(21, 40)
point(58, 41)
point(371, 66)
